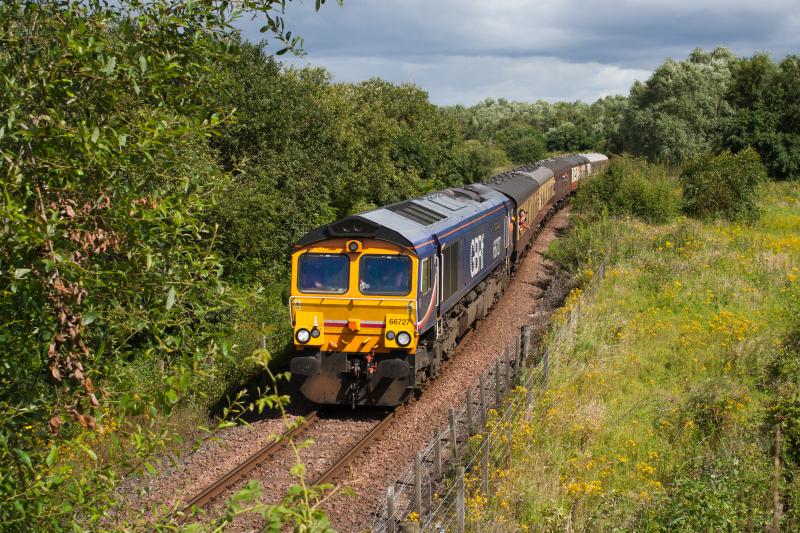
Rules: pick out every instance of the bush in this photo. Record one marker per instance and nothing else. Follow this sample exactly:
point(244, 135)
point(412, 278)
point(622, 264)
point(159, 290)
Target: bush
point(631, 187)
point(723, 186)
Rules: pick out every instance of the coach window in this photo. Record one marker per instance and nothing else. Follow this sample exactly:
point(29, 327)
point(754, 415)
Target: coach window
point(426, 276)
point(387, 275)
point(328, 273)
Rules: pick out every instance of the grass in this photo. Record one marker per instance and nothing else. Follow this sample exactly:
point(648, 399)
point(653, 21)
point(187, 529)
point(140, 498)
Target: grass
point(657, 416)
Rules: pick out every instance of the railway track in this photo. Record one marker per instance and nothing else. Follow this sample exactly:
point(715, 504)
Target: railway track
point(326, 460)
point(242, 469)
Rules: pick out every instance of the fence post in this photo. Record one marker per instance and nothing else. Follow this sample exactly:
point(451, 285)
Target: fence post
point(522, 349)
point(460, 501)
point(469, 413)
point(452, 418)
point(498, 384)
point(509, 371)
point(418, 486)
point(525, 344)
point(509, 435)
point(485, 465)
point(483, 399)
point(390, 525)
point(545, 367)
point(437, 455)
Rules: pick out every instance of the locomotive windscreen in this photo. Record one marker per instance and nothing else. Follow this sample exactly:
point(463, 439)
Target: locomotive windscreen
point(385, 274)
point(329, 273)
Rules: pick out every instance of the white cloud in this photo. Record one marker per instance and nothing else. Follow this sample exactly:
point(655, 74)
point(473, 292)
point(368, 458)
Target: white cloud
point(462, 51)
point(470, 79)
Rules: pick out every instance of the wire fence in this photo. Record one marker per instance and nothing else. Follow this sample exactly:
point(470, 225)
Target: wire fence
point(430, 494)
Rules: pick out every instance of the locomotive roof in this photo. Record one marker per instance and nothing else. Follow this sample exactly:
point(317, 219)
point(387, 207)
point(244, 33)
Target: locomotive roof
point(413, 223)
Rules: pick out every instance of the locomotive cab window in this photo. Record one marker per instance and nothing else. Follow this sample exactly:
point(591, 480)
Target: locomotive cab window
point(387, 275)
point(326, 273)
point(425, 284)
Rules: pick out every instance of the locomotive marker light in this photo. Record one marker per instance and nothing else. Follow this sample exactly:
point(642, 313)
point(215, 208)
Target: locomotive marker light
point(353, 246)
point(390, 335)
point(315, 332)
point(403, 339)
point(303, 335)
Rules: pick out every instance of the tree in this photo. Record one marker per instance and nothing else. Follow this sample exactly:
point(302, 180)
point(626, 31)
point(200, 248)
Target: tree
point(680, 110)
point(766, 113)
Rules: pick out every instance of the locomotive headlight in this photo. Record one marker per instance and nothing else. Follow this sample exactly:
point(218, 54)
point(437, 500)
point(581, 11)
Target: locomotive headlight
point(403, 339)
point(302, 336)
point(390, 335)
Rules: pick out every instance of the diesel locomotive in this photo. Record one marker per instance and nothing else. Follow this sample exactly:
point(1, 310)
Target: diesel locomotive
point(380, 299)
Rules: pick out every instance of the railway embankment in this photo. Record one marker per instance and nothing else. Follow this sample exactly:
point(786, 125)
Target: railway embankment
point(673, 405)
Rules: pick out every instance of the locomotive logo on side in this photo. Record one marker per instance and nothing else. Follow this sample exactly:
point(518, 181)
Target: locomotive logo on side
point(476, 255)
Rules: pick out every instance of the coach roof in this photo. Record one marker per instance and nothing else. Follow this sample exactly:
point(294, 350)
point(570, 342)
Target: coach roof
point(520, 184)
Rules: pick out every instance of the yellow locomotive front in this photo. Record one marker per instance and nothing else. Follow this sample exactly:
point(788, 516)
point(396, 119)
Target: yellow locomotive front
point(354, 315)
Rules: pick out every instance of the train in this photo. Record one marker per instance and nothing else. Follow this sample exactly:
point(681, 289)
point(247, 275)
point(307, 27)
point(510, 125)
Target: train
point(380, 299)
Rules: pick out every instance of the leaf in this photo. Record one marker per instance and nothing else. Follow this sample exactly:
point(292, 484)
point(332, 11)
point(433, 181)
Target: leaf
point(171, 298)
point(52, 456)
point(95, 134)
point(143, 63)
point(122, 140)
point(89, 452)
point(88, 318)
point(150, 468)
point(172, 396)
point(109, 67)
point(24, 457)
point(21, 273)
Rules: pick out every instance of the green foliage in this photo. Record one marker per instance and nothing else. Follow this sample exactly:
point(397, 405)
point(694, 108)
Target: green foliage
point(113, 301)
point(723, 185)
point(631, 187)
point(765, 97)
point(478, 160)
point(677, 112)
point(715, 101)
point(567, 137)
point(726, 495)
point(522, 143)
point(566, 127)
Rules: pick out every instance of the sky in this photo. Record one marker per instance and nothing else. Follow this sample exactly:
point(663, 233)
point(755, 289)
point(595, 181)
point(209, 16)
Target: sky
point(464, 51)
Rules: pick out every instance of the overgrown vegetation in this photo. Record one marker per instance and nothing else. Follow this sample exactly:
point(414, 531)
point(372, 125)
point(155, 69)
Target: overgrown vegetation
point(662, 407)
point(631, 187)
point(724, 185)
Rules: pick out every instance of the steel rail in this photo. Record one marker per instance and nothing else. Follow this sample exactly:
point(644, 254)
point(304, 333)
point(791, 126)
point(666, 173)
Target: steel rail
point(345, 460)
point(221, 484)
